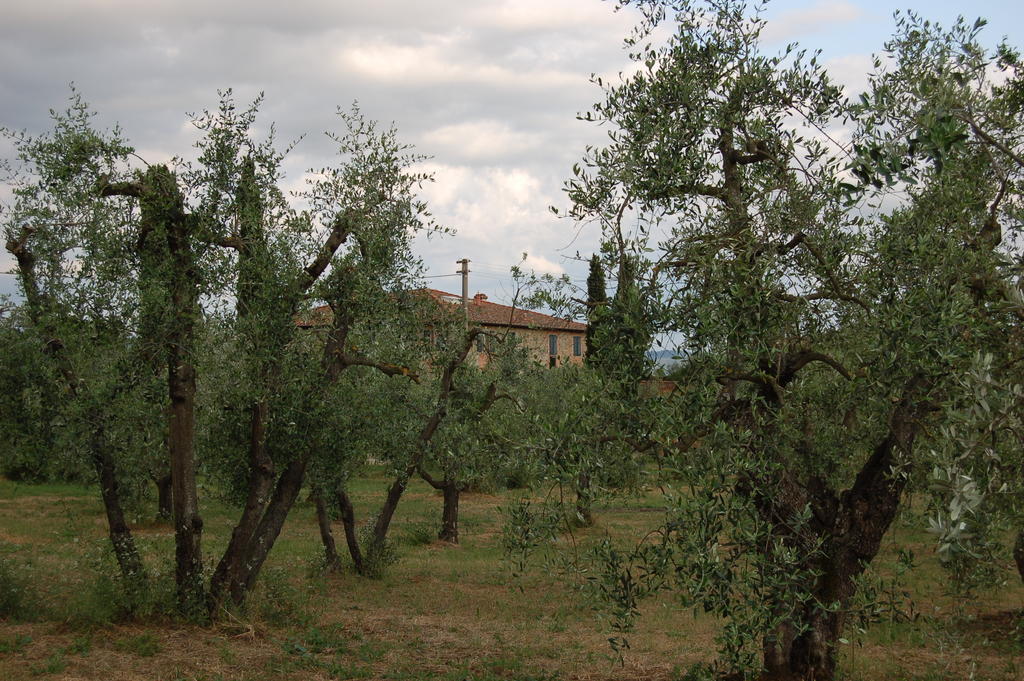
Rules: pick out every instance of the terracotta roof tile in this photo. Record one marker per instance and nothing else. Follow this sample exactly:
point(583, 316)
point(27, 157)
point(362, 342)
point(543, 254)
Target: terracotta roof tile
point(481, 311)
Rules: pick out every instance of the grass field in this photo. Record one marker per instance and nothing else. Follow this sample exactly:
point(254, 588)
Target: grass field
point(442, 612)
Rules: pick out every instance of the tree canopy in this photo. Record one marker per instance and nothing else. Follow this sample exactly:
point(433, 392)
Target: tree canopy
point(828, 297)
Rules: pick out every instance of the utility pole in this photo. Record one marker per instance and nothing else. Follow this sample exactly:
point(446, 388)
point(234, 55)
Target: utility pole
point(464, 271)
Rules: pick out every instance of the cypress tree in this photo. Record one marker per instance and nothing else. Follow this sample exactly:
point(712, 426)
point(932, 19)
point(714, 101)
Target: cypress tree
point(597, 298)
point(626, 321)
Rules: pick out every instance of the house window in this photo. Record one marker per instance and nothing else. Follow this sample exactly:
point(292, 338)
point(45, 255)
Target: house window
point(479, 343)
point(552, 345)
point(577, 346)
point(551, 361)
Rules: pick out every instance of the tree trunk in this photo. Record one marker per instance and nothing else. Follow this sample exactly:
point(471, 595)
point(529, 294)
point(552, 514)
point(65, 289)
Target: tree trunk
point(584, 515)
point(348, 522)
point(450, 514)
point(383, 522)
point(814, 652)
point(775, 648)
point(849, 529)
point(167, 208)
point(121, 539)
point(261, 481)
point(1018, 553)
point(387, 510)
point(188, 526)
point(450, 490)
point(163, 504)
point(285, 494)
point(323, 520)
point(809, 656)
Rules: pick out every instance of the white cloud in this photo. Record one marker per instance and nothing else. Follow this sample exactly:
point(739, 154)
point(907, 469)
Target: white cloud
point(542, 265)
point(851, 71)
point(823, 15)
point(498, 214)
point(483, 140)
point(489, 88)
point(544, 15)
point(438, 62)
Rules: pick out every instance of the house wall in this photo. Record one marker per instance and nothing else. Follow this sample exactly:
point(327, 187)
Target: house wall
point(536, 341)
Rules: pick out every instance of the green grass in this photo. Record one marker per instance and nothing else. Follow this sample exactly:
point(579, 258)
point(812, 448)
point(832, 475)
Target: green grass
point(442, 612)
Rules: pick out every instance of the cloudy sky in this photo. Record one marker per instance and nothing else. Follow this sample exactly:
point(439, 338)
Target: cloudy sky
point(489, 89)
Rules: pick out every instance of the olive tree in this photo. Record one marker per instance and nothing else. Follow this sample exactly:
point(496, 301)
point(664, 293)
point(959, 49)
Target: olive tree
point(30, 401)
point(152, 252)
point(416, 415)
point(471, 447)
point(824, 327)
point(80, 307)
point(959, 123)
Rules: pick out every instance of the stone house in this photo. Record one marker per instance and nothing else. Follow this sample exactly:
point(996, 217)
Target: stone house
point(550, 340)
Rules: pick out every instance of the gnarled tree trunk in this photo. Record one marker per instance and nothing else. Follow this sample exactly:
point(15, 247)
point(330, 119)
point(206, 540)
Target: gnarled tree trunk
point(387, 511)
point(125, 550)
point(450, 491)
point(348, 522)
point(163, 493)
point(450, 513)
point(261, 482)
point(323, 520)
point(163, 208)
point(285, 494)
point(849, 528)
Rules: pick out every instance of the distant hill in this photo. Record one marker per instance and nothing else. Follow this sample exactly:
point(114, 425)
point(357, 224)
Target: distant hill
point(663, 359)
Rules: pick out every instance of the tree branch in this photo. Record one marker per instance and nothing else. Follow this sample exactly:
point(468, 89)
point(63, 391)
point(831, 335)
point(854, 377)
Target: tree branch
point(831, 276)
point(233, 242)
point(340, 231)
point(796, 362)
point(350, 360)
point(819, 295)
point(108, 188)
point(797, 239)
point(987, 138)
point(427, 478)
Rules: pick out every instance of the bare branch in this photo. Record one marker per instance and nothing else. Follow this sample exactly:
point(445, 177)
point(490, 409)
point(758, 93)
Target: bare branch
point(797, 239)
point(798, 361)
point(756, 157)
point(699, 189)
point(989, 139)
point(340, 231)
point(427, 478)
point(820, 295)
point(492, 396)
point(350, 360)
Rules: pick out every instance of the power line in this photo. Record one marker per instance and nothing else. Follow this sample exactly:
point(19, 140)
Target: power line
point(488, 275)
point(492, 266)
